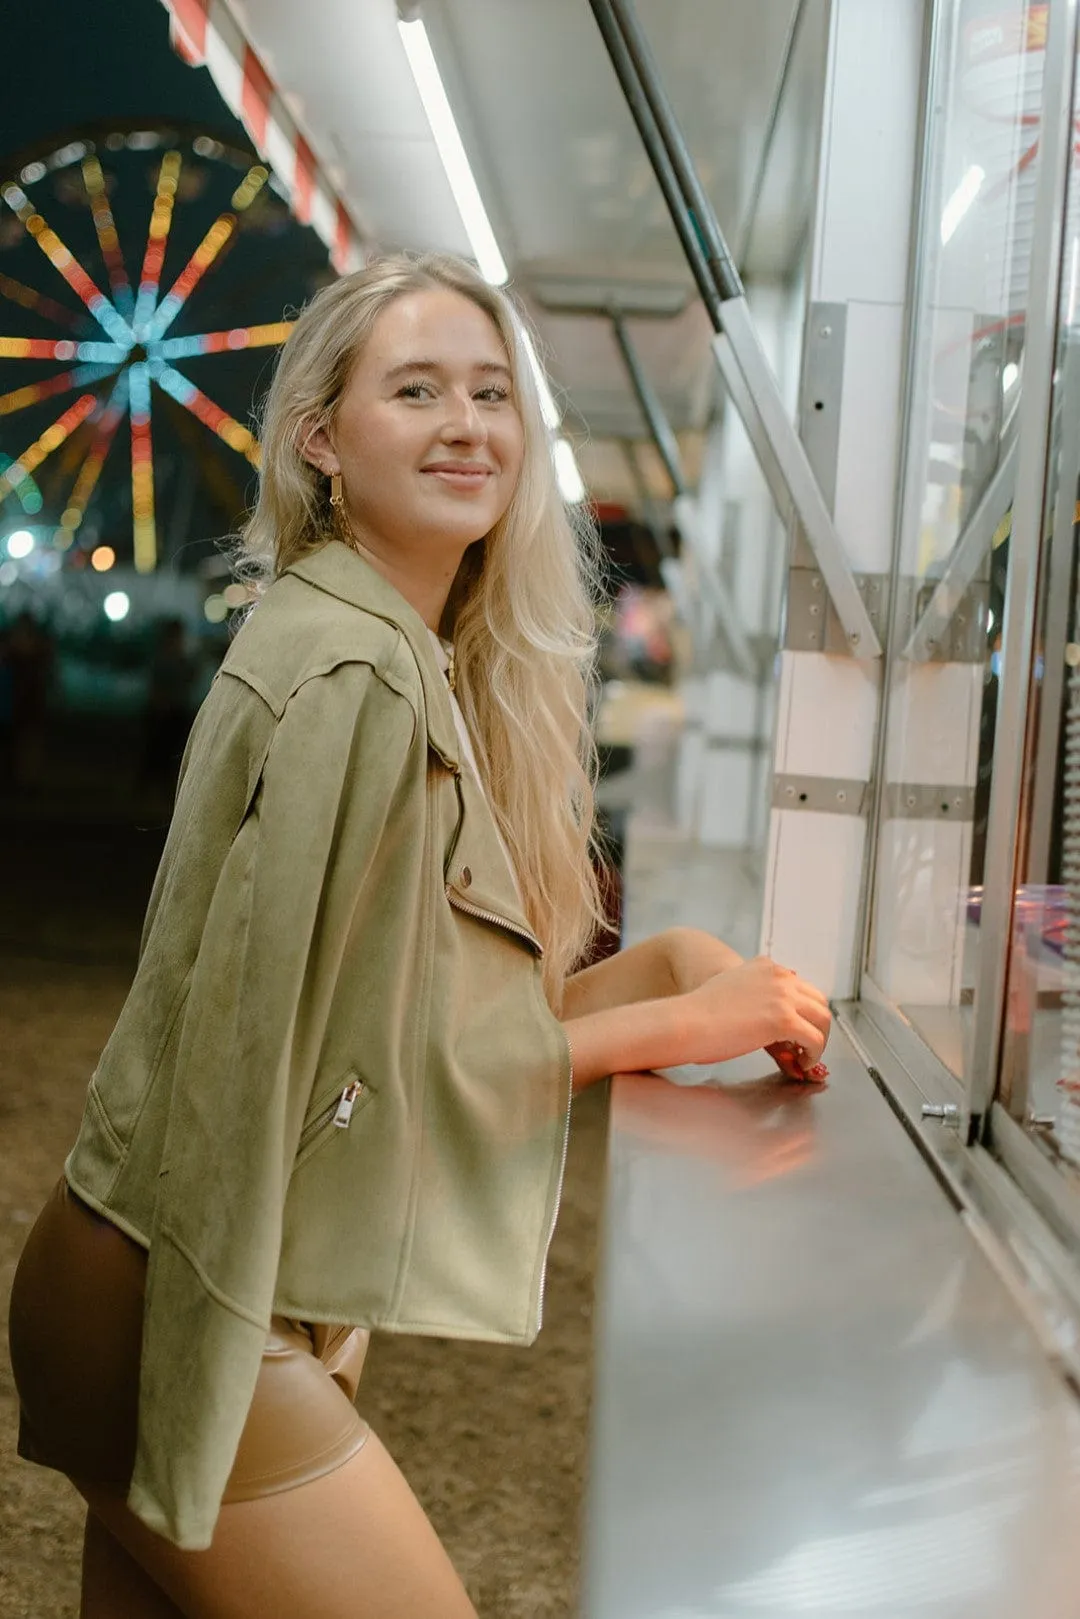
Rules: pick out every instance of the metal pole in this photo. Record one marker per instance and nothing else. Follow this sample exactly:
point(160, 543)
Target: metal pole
point(696, 200)
point(695, 221)
point(653, 519)
point(917, 391)
point(739, 343)
point(658, 156)
point(1021, 591)
point(651, 408)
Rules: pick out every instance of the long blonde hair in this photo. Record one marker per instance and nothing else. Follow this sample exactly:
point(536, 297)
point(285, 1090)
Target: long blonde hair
point(521, 609)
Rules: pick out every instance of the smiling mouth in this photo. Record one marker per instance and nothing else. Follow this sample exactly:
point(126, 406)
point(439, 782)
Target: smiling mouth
point(459, 477)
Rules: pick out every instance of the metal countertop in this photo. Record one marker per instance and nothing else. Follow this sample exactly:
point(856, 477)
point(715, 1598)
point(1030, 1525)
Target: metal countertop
point(814, 1395)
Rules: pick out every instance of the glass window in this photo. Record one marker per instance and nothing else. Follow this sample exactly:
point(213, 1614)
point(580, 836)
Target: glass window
point(1040, 1069)
point(977, 213)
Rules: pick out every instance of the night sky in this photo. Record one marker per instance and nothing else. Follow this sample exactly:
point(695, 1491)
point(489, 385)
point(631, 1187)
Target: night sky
point(69, 63)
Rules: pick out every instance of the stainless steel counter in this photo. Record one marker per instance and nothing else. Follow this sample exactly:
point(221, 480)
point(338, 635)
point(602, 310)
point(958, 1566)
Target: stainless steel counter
point(814, 1396)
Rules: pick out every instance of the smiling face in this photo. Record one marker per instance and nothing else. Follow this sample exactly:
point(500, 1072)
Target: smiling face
point(427, 435)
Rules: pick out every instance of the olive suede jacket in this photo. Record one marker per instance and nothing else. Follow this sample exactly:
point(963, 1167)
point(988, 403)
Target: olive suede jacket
point(336, 1090)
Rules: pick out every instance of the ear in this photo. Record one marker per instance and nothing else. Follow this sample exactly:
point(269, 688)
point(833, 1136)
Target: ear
point(317, 447)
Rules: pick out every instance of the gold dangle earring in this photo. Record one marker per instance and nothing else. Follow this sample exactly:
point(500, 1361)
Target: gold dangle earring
point(337, 507)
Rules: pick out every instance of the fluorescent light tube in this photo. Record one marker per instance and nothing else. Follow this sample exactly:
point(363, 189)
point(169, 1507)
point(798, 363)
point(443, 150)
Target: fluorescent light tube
point(571, 485)
point(474, 217)
point(548, 408)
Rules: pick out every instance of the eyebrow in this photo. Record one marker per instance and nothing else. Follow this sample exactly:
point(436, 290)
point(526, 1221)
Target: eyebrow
point(491, 367)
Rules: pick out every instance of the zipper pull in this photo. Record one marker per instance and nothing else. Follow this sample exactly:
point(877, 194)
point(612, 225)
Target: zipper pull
point(347, 1103)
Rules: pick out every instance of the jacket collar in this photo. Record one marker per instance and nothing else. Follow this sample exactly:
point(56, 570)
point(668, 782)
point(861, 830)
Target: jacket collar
point(344, 573)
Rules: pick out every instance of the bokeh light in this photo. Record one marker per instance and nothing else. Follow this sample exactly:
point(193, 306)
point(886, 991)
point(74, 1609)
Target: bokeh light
point(117, 605)
point(102, 558)
point(20, 543)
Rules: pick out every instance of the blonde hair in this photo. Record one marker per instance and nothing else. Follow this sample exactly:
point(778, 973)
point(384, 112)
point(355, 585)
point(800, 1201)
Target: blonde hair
point(520, 611)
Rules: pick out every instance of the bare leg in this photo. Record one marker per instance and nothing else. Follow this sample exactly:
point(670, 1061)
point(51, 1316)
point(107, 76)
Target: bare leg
point(354, 1544)
point(113, 1584)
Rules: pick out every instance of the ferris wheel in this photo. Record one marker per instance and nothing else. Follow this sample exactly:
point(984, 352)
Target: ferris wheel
point(126, 258)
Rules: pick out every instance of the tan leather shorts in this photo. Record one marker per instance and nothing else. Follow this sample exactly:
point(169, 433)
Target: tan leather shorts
point(76, 1326)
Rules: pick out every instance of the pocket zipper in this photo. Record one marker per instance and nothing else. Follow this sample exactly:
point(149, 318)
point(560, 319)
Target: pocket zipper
point(493, 916)
point(346, 1103)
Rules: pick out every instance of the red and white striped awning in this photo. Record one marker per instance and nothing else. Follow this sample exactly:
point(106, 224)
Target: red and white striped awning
point(205, 33)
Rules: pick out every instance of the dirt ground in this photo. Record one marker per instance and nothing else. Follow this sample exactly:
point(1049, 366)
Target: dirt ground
point(492, 1439)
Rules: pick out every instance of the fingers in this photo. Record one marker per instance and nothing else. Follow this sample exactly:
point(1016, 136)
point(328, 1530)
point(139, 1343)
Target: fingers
point(812, 1040)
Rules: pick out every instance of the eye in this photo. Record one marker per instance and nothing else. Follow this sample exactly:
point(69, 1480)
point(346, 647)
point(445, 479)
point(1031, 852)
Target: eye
point(416, 390)
point(494, 394)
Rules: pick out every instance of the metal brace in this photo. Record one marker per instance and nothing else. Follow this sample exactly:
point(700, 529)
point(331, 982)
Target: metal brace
point(812, 624)
point(925, 801)
point(826, 795)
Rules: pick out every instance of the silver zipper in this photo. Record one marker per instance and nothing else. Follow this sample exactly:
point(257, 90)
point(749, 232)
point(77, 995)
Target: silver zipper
point(346, 1103)
point(558, 1193)
point(493, 916)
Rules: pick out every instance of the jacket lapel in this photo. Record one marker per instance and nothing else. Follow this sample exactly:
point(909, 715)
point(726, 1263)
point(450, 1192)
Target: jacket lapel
point(342, 572)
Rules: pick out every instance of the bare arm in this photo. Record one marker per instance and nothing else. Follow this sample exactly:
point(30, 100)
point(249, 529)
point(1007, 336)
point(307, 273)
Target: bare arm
point(731, 1012)
point(668, 963)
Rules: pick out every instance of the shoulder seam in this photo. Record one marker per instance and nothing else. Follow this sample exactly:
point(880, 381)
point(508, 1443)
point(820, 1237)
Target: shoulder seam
point(380, 669)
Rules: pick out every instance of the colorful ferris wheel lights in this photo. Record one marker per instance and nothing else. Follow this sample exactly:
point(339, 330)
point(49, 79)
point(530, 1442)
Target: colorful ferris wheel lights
point(138, 354)
point(22, 398)
point(157, 240)
point(227, 428)
point(108, 240)
point(207, 251)
point(142, 469)
point(40, 348)
point(90, 471)
point(53, 436)
point(190, 276)
point(240, 337)
point(29, 298)
point(61, 259)
point(30, 497)
point(249, 187)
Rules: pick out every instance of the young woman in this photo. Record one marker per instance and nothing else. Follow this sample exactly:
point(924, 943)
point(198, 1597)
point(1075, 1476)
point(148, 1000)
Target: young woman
point(338, 1093)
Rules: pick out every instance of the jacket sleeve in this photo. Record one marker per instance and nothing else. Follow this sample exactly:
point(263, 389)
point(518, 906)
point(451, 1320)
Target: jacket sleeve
point(253, 1026)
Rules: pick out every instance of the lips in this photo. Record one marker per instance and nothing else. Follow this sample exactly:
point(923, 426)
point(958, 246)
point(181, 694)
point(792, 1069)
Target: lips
point(459, 474)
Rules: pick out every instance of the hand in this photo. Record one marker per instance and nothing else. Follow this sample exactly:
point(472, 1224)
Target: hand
point(793, 1062)
point(758, 1004)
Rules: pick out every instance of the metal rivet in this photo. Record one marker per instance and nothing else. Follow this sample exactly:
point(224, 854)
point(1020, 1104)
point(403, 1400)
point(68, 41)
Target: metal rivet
point(841, 797)
point(466, 877)
point(825, 331)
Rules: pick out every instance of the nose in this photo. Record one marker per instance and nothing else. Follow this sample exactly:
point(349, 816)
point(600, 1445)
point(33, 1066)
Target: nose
point(463, 422)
